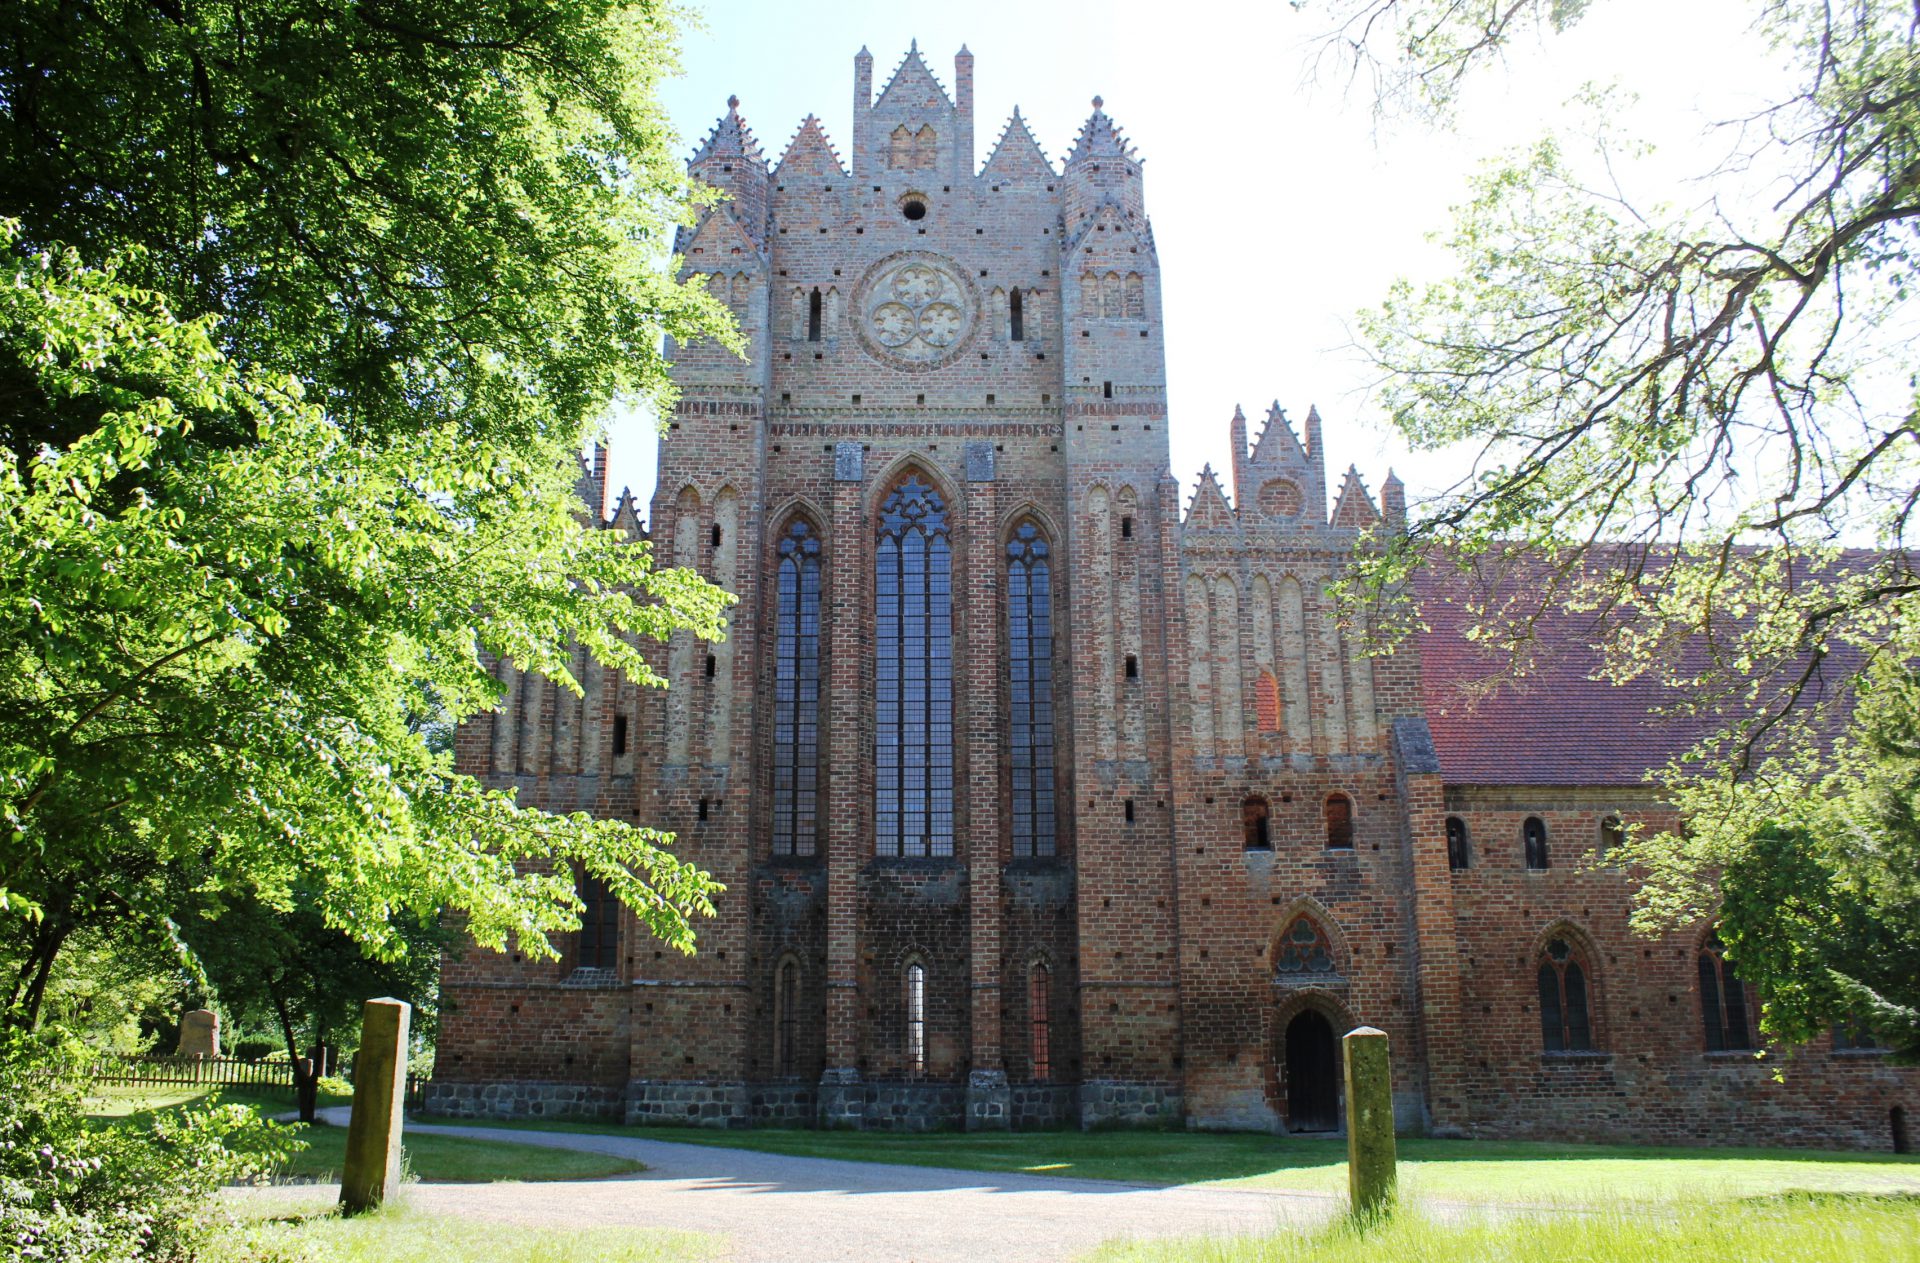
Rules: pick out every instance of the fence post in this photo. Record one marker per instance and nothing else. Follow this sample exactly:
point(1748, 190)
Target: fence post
point(1370, 1148)
point(372, 1167)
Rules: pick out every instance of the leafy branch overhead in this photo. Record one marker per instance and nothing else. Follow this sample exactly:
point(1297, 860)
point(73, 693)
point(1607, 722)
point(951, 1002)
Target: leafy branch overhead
point(309, 308)
point(1699, 425)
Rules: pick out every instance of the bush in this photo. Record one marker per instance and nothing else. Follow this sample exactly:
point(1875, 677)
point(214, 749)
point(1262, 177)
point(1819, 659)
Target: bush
point(71, 1191)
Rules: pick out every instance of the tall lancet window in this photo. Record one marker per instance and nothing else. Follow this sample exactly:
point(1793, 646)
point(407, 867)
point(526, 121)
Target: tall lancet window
point(1030, 688)
point(796, 694)
point(913, 674)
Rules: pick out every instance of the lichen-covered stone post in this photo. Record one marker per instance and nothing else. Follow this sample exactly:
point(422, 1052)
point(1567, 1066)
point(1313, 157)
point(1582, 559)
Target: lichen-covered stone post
point(1370, 1149)
point(371, 1173)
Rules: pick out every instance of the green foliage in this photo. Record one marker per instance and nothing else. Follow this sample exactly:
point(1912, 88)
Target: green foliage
point(1680, 417)
point(72, 1192)
point(308, 308)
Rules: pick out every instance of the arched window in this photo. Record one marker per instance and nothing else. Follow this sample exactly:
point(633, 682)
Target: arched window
point(813, 315)
point(599, 939)
point(1458, 856)
point(796, 693)
point(1339, 816)
point(1534, 835)
point(1136, 298)
point(916, 998)
point(925, 148)
point(1030, 689)
point(1266, 702)
point(1613, 832)
point(1304, 949)
point(1256, 824)
point(1564, 1026)
point(786, 1016)
point(1016, 317)
point(913, 674)
point(1723, 1000)
point(900, 148)
point(1040, 1021)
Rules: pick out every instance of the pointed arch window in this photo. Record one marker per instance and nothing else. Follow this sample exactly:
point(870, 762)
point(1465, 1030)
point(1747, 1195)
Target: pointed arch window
point(1040, 1022)
point(1030, 689)
point(900, 148)
point(786, 1017)
point(916, 998)
point(1304, 949)
point(1562, 979)
point(925, 147)
point(598, 943)
point(1458, 854)
point(1723, 1000)
point(1533, 837)
point(814, 303)
point(1339, 817)
point(796, 692)
point(1016, 317)
point(913, 674)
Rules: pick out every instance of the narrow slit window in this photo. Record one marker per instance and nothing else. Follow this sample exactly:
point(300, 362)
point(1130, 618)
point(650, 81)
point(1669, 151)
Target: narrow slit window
point(710, 666)
point(1016, 317)
point(1339, 817)
point(1133, 667)
point(1129, 810)
point(813, 316)
point(1533, 835)
point(917, 1018)
point(1040, 1022)
point(619, 735)
point(1256, 824)
point(786, 1003)
point(1126, 522)
point(599, 939)
point(1457, 857)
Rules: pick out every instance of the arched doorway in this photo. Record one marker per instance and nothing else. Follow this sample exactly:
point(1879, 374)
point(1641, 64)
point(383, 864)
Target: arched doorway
point(1313, 1076)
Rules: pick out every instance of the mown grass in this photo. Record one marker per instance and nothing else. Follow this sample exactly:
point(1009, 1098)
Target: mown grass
point(307, 1230)
point(1803, 1228)
point(1453, 1170)
point(430, 1159)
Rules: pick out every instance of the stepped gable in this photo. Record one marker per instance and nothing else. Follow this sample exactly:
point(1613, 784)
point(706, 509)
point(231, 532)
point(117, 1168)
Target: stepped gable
point(1100, 137)
point(1354, 510)
point(1278, 444)
point(810, 152)
point(1209, 510)
point(913, 85)
point(1017, 155)
point(730, 138)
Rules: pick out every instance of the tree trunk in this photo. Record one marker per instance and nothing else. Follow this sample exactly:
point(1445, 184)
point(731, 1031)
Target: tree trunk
point(306, 1072)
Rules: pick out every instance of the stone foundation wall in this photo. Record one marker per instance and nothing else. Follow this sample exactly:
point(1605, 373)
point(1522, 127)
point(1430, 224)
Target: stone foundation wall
point(658, 1102)
point(1111, 1103)
point(1035, 1106)
point(522, 1100)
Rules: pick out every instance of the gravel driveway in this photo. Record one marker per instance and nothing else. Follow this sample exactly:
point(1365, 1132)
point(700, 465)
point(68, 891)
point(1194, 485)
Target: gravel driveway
point(773, 1208)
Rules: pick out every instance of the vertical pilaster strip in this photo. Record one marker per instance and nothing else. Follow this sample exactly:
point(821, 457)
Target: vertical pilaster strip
point(849, 808)
point(985, 562)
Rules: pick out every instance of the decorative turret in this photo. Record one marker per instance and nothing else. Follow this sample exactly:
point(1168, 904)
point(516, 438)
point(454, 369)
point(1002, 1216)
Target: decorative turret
point(1238, 429)
point(730, 160)
point(862, 102)
point(1393, 502)
point(1103, 168)
point(962, 115)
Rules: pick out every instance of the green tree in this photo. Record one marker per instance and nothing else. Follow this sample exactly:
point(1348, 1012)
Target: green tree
point(308, 308)
point(1680, 417)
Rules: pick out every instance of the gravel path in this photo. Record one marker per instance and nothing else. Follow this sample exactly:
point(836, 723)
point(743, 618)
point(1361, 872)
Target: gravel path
point(772, 1208)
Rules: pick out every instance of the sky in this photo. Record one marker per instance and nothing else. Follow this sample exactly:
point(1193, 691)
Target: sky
point(1281, 204)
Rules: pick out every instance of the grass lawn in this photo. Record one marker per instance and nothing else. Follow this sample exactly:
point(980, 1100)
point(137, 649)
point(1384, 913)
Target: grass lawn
point(299, 1228)
point(431, 1159)
point(1457, 1170)
point(1811, 1228)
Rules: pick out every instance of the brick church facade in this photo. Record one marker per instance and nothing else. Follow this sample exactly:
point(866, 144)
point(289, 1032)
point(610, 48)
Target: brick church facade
point(1041, 798)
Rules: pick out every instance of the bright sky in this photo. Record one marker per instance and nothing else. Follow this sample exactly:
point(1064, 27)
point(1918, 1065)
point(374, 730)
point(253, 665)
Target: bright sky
point(1279, 207)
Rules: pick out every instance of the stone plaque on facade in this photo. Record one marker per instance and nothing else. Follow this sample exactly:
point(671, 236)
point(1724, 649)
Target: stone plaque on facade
point(915, 310)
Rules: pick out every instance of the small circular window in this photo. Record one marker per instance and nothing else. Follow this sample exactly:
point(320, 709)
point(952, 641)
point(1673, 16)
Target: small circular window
point(914, 208)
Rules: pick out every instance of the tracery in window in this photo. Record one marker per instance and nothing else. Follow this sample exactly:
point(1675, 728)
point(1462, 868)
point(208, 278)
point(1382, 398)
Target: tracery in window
point(1304, 949)
point(913, 674)
point(916, 998)
point(598, 943)
point(1030, 689)
point(1564, 1026)
point(1534, 835)
point(1256, 824)
point(1723, 1000)
point(796, 692)
point(1040, 1021)
point(1339, 817)
point(1458, 856)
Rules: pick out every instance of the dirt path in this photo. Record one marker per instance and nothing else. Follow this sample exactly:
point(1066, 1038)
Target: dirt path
point(773, 1208)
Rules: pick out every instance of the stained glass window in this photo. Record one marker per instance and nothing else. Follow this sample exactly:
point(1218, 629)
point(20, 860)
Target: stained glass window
point(1723, 1001)
point(1030, 689)
point(796, 694)
point(1304, 949)
point(913, 674)
point(1564, 1026)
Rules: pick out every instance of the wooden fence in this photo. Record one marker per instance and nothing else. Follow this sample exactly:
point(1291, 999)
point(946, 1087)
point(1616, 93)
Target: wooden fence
point(192, 1071)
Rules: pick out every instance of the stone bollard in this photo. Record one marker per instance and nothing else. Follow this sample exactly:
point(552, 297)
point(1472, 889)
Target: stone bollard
point(1370, 1148)
point(372, 1170)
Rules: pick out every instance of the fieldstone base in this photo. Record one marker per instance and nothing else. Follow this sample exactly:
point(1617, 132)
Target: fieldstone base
point(848, 1102)
point(666, 1102)
point(843, 1100)
point(1113, 1103)
point(989, 1103)
point(784, 1104)
point(521, 1100)
point(1040, 1105)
